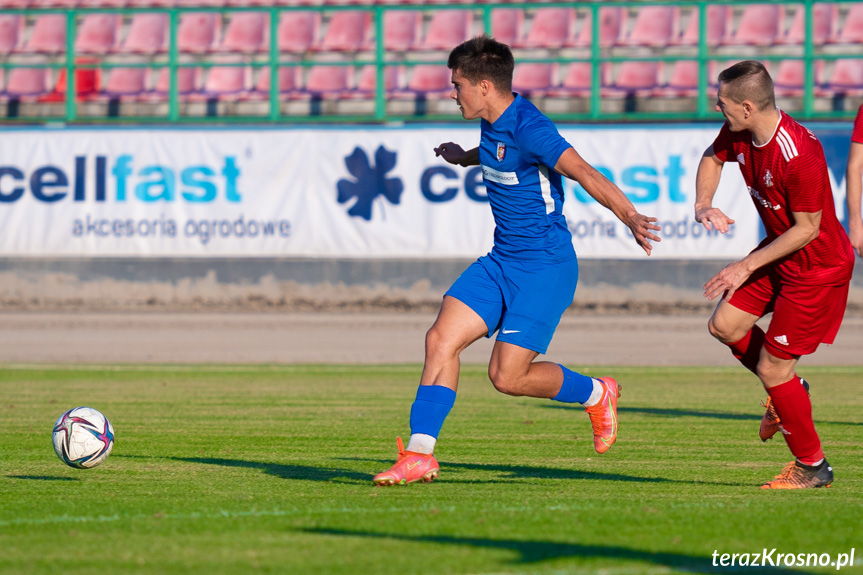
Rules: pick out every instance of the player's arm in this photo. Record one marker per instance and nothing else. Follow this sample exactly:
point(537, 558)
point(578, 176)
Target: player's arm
point(805, 229)
point(573, 166)
point(706, 184)
point(454, 154)
point(853, 189)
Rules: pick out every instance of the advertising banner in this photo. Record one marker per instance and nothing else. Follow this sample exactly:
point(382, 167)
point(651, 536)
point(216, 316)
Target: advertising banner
point(327, 192)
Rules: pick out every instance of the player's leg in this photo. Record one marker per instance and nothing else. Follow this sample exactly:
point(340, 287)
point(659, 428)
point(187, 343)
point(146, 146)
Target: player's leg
point(457, 326)
point(513, 371)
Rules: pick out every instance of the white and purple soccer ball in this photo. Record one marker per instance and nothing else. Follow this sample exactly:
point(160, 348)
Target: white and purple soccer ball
point(83, 437)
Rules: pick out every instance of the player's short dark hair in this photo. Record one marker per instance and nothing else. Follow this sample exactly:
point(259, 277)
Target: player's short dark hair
point(484, 58)
point(749, 80)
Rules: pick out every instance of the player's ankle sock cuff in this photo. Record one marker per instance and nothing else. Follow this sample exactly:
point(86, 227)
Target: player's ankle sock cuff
point(576, 388)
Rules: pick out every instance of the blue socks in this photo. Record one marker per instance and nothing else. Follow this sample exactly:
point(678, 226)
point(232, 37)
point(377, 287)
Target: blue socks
point(430, 408)
point(576, 388)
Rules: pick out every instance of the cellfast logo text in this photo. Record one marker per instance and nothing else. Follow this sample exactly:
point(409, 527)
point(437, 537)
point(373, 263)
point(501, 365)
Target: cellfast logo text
point(123, 179)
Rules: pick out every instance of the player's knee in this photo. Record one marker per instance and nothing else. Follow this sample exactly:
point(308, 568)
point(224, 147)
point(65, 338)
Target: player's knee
point(720, 331)
point(437, 343)
point(505, 382)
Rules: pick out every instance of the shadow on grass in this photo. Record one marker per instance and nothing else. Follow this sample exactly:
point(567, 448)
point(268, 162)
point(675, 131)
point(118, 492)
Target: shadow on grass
point(509, 471)
point(285, 471)
point(43, 478)
point(670, 412)
point(537, 551)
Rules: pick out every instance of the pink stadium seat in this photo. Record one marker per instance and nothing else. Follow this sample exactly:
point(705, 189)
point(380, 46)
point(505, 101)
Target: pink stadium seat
point(507, 25)
point(187, 81)
point(27, 82)
point(148, 34)
point(298, 31)
point(717, 23)
point(226, 80)
point(852, 28)
point(637, 78)
point(447, 29)
point(533, 78)
point(578, 80)
point(401, 29)
point(126, 82)
point(10, 32)
point(287, 81)
point(367, 84)
point(430, 78)
point(654, 26)
point(760, 25)
point(347, 31)
point(48, 34)
point(197, 32)
point(97, 34)
point(551, 28)
point(611, 23)
point(846, 78)
point(824, 17)
point(245, 32)
point(328, 80)
point(789, 79)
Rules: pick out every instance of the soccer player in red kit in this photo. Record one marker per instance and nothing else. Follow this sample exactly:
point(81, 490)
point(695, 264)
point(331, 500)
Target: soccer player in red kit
point(800, 272)
point(854, 184)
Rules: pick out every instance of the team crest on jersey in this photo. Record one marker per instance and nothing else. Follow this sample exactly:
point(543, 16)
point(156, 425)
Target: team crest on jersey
point(501, 151)
point(768, 179)
point(741, 160)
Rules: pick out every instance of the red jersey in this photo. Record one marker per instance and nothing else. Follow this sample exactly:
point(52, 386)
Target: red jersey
point(789, 174)
point(857, 134)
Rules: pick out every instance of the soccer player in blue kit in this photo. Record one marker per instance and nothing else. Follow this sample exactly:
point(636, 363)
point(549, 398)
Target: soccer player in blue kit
point(523, 286)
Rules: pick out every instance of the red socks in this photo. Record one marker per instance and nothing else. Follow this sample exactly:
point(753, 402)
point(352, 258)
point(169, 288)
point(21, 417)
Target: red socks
point(748, 350)
point(795, 411)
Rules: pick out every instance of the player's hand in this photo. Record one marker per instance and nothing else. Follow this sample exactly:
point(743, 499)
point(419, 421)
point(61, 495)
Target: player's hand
point(642, 227)
point(727, 281)
point(856, 237)
point(713, 219)
point(452, 153)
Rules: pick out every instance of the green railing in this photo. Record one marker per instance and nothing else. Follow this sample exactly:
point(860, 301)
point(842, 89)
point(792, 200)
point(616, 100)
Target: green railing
point(809, 107)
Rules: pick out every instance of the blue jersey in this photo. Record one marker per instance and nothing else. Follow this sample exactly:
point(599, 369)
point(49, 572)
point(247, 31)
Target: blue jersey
point(518, 153)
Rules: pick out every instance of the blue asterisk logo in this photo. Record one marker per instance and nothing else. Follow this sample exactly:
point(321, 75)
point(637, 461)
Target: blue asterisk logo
point(370, 181)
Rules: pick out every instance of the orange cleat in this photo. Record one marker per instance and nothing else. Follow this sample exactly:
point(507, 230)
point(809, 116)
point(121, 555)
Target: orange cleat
point(799, 476)
point(409, 468)
point(770, 422)
point(603, 416)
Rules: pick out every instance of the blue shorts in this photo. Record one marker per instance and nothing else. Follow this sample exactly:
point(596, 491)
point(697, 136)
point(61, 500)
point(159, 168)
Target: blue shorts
point(524, 300)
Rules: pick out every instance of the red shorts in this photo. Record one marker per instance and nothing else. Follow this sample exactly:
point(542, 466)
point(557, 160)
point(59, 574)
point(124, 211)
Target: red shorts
point(804, 316)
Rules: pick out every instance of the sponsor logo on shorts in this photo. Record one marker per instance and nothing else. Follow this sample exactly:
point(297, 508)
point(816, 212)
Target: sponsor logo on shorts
point(509, 331)
point(781, 339)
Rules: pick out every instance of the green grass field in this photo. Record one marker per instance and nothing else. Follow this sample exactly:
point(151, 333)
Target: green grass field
point(268, 469)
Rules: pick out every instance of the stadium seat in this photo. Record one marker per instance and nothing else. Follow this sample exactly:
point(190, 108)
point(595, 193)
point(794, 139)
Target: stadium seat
point(534, 78)
point(401, 29)
point(196, 33)
point(328, 81)
point(224, 81)
point(287, 81)
point(367, 84)
point(97, 34)
point(10, 32)
point(852, 28)
point(447, 29)
point(824, 17)
point(297, 32)
point(430, 79)
point(634, 78)
point(126, 82)
point(846, 78)
point(27, 82)
point(245, 32)
point(550, 28)
point(611, 23)
point(717, 23)
point(507, 25)
point(147, 34)
point(683, 80)
point(347, 31)
point(654, 26)
point(187, 81)
point(48, 35)
point(578, 80)
point(759, 25)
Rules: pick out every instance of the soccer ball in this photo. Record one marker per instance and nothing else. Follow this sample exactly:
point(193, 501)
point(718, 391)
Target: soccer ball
point(83, 437)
